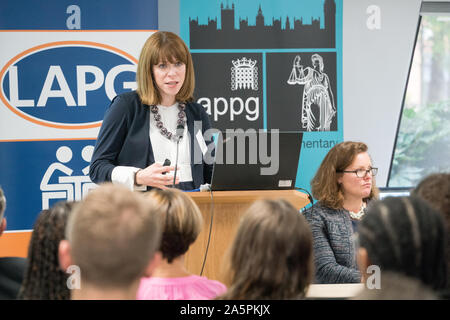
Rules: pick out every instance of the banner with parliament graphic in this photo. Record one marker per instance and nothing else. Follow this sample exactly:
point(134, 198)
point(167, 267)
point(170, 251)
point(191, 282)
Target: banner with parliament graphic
point(270, 65)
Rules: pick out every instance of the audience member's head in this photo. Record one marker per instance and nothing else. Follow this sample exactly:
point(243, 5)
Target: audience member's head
point(12, 269)
point(181, 222)
point(397, 286)
point(327, 185)
point(44, 280)
point(435, 189)
point(181, 219)
point(271, 254)
point(112, 237)
point(2, 211)
point(404, 235)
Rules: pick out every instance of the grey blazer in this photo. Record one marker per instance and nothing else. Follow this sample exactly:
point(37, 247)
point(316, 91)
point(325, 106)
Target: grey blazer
point(334, 251)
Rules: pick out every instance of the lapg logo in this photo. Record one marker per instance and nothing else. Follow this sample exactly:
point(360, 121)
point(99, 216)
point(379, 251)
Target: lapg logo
point(66, 84)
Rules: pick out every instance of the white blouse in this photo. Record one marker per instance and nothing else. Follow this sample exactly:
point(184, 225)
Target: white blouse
point(163, 149)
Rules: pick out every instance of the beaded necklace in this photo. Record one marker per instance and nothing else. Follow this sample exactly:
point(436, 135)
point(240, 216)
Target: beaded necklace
point(181, 121)
point(358, 215)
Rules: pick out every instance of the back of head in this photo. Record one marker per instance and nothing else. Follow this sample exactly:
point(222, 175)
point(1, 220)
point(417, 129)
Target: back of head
point(112, 236)
point(407, 236)
point(435, 189)
point(181, 219)
point(396, 286)
point(271, 254)
point(43, 278)
point(324, 186)
point(2, 204)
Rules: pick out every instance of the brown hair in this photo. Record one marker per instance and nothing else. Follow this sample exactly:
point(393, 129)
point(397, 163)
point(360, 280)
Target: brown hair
point(325, 186)
point(113, 236)
point(435, 189)
point(271, 254)
point(163, 46)
point(181, 219)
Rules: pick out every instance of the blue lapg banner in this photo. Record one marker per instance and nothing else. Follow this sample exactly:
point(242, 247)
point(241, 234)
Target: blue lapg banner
point(41, 173)
point(61, 64)
point(79, 14)
point(96, 72)
point(270, 65)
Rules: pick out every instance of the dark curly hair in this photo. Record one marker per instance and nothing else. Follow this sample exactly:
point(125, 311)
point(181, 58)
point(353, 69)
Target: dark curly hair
point(406, 235)
point(43, 279)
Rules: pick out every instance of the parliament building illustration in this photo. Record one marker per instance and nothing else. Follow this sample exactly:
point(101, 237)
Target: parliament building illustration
point(294, 34)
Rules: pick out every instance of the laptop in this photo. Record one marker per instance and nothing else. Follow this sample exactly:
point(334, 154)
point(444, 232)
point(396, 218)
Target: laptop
point(258, 160)
point(394, 192)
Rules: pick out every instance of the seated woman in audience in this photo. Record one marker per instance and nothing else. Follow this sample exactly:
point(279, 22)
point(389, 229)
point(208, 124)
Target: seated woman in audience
point(182, 222)
point(404, 235)
point(271, 254)
point(44, 280)
point(343, 185)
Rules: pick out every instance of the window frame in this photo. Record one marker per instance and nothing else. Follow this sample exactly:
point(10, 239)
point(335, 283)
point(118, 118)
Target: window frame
point(426, 9)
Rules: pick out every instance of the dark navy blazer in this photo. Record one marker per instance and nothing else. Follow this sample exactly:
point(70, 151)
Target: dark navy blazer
point(124, 139)
point(12, 272)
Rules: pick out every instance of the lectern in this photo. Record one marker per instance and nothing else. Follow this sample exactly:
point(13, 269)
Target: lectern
point(228, 208)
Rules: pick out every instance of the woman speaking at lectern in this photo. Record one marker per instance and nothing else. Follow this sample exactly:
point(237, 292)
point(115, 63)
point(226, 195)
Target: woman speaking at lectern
point(143, 128)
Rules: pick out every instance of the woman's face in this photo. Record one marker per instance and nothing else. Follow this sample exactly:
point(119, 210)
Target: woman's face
point(354, 186)
point(169, 78)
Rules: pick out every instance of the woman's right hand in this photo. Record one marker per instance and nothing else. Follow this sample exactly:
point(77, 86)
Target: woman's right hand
point(156, 175)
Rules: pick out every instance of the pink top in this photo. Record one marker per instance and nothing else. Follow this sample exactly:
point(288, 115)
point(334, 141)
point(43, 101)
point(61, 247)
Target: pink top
point(185, 288)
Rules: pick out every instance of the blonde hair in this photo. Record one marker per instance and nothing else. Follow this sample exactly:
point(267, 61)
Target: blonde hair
point(271, 256)
point(163, 46)
point(181, 219)
point(113, 236)
point(325, 186)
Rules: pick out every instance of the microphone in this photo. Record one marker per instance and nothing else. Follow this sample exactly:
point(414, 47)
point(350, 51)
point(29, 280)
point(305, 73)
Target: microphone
point(179, 133)
point(166, 164)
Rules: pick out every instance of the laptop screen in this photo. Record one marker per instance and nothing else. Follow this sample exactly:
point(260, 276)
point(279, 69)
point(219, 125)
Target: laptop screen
point(256, 160)
point(394, 192)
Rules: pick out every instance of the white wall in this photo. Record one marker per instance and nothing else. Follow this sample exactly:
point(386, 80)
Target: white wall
point(375, 70)
point(169, 15)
